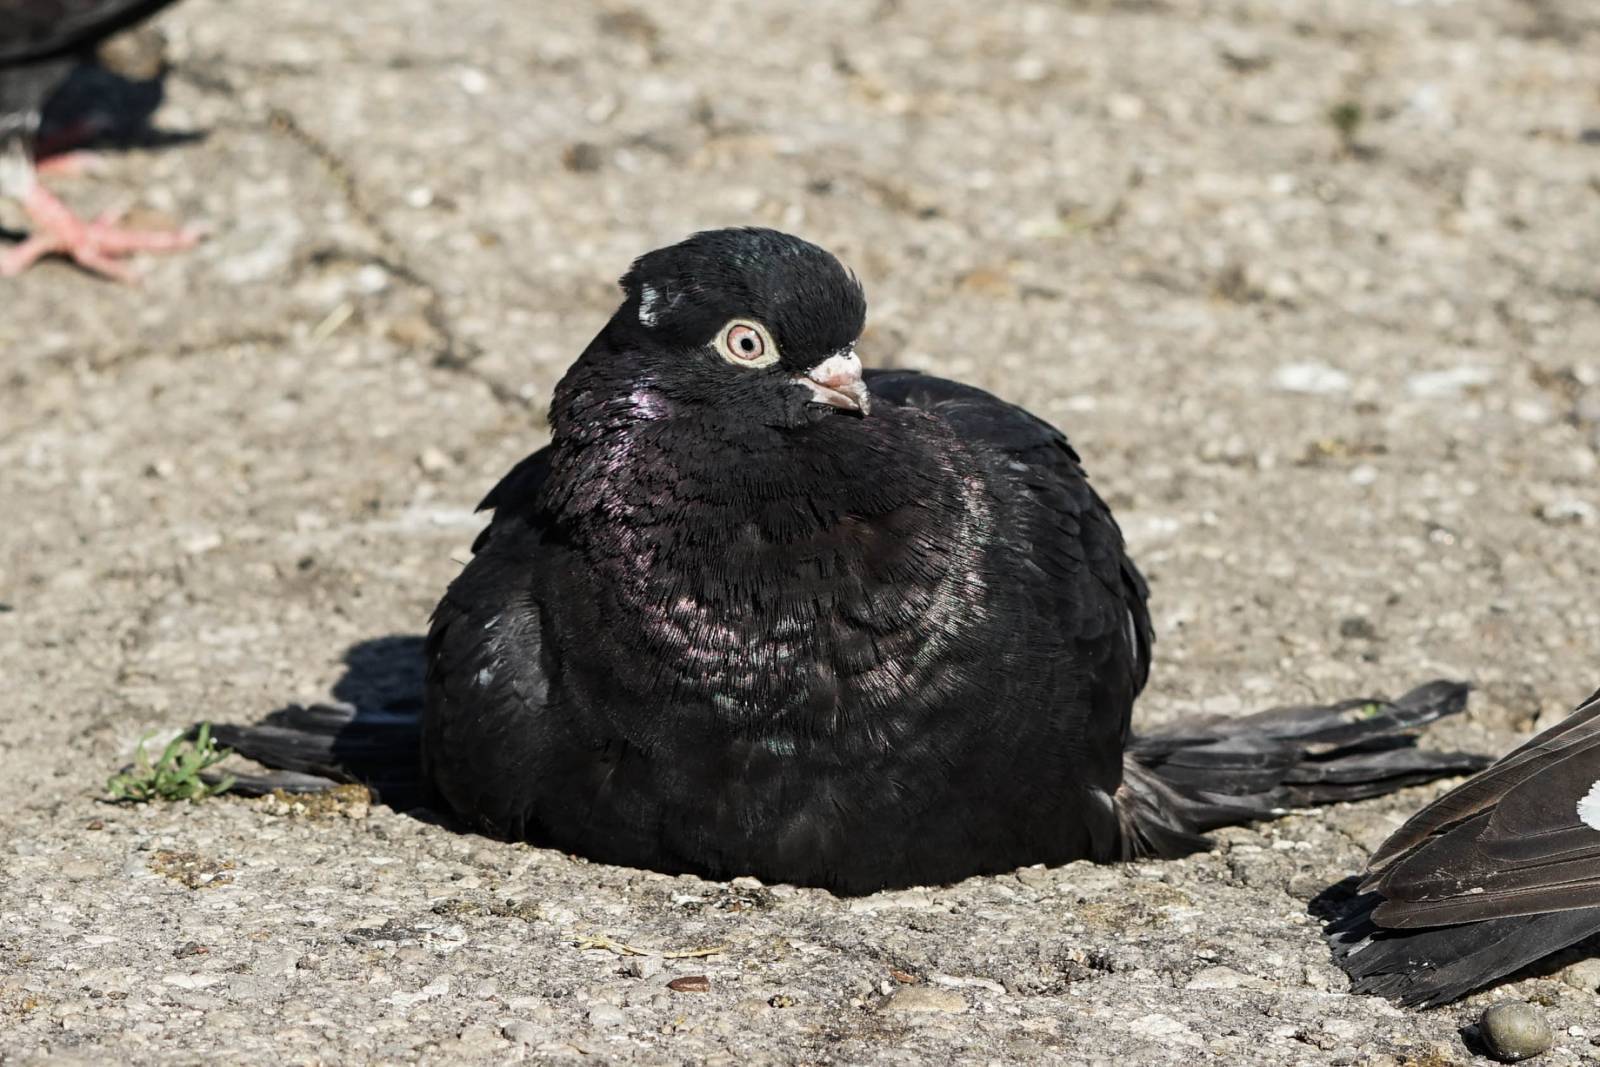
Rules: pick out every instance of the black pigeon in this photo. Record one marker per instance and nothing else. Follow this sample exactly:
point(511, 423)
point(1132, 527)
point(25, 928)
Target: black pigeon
point(1498, 873)
point(40, 41)
point(755, 612)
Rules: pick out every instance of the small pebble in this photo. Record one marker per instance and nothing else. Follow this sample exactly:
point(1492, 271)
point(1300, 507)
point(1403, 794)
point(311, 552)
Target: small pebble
point(1034, 877)
point(1569, 512)
point(433, 461)
point(606, 1015)
point(1584, 975)
point(583, 158)
point(1317, 379)
point(1448, 383)
point(1219, 977)
point(1358, 627)
point(643, 966)
point(1515, 1030)
point(523, 1032)
point(922, 999)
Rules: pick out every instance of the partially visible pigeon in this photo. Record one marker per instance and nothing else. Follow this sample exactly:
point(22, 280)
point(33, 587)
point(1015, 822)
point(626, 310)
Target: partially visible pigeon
point(756, 612)
point(1496, 874)
point(40, 40)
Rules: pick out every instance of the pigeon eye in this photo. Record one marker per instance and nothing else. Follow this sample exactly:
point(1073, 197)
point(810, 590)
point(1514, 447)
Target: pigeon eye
point(747, 344)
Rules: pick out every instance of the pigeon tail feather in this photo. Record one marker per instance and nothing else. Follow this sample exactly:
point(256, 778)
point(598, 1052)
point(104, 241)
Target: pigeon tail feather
point(1182, 782)
point(313, 747)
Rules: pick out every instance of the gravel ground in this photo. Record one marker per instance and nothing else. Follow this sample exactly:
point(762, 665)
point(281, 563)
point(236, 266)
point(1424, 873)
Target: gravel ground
point(1312, 286)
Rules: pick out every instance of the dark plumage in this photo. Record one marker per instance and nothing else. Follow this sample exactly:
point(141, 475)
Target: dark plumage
point(752, 612)
point(1496, 874)
point(40, 41)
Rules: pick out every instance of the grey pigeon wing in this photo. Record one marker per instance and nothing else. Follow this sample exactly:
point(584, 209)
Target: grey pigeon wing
point(1521, 838)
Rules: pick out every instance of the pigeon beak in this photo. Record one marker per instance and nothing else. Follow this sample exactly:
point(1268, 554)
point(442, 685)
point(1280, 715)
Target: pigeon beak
point(836, 381)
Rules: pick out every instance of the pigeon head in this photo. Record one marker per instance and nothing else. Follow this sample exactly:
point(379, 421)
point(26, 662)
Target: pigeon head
point(747, 317)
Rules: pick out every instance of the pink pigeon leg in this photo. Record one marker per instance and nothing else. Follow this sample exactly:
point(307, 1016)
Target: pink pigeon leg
point(96, 246)
point(68, 141)
point(61, 153)
point(70, 164)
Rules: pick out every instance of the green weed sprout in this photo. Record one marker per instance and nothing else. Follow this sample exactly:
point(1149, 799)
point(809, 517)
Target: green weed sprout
point(175, 774)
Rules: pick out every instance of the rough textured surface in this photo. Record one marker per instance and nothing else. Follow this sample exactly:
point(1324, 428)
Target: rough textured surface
point(1342, 390)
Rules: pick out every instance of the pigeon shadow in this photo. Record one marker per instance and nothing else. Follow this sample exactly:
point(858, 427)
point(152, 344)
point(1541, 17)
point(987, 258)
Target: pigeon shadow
point(1335, 902)
point(383, 673)
point(369, 733)
point(110, 102)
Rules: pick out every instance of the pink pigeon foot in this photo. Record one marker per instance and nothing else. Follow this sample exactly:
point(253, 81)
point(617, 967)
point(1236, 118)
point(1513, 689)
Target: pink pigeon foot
point(95, 245)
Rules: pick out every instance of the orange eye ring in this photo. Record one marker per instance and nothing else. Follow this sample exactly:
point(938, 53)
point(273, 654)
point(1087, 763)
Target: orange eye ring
point(746, 343)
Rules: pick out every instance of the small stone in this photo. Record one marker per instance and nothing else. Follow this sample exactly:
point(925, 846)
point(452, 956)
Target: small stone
point(1124, 107)
point(1317, 379)
point(582, 158)
point(1358, 627)
point(1448, 383)
point(371, 279)
point(1587, 406)
point(690, 983)
point(642, 966)
point(1244, 54)
point(1166, 1029)
point(432, 991)
point(1569, 513)
point(278, 964)
point(412, 331)
point(1034, 877)
point(523, 1032)
point(1219, 977)
point(1584, 975)
point(81, 870)
point(478, 1041)
point(1343, 1030)
point(606, 1015)
point(1515, 1030)
point(925, 999)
